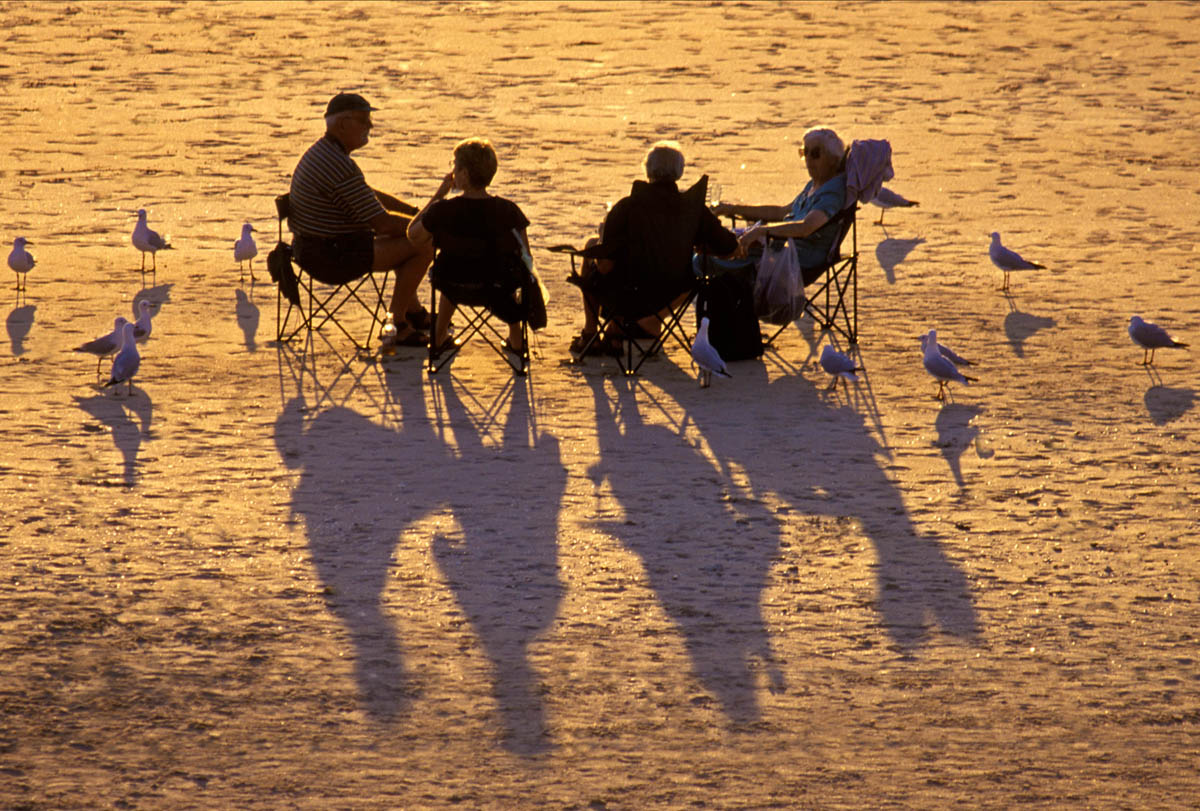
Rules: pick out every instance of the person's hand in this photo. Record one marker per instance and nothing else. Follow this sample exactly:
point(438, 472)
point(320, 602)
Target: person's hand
point(447, 185)
point(751, 235)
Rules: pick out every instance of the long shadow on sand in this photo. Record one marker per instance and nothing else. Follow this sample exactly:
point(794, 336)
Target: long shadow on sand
point(711, 572)
point(18, 324)
point(128, 418)
point(363, 484)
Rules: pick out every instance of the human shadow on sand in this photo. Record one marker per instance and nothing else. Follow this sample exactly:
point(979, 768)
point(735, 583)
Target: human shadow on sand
point(706, 570)
point(127, 418)
point(1020, 326)
point(361, 490)
point(19, 322)
point(817, 457)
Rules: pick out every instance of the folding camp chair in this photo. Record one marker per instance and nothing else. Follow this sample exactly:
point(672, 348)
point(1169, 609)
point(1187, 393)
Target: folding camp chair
point(618, 322)
point(508, 288)
point(316, 304)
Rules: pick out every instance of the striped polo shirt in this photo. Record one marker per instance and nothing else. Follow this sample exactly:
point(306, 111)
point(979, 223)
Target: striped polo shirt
point(329, 195)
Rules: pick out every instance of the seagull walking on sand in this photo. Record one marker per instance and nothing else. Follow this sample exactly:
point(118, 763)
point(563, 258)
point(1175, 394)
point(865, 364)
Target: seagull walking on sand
point(946, 352)
point(1150, 337)
point(886, 198)
point(1007, 260)
point(838, 364)
point(105, 345)
point(706, 356)
point(21, 261)
point(141, 327)
point(126, 361)
point(940, 367)
point(244, 250)
point(147, 241)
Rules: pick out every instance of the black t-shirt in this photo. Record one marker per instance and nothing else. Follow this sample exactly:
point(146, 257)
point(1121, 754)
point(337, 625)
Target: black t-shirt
point(473, 236)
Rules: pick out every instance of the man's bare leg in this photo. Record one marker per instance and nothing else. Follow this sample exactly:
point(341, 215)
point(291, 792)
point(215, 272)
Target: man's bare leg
point(410, 263)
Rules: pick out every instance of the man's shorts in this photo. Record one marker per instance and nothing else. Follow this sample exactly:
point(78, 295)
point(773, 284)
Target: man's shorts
point(335, 260)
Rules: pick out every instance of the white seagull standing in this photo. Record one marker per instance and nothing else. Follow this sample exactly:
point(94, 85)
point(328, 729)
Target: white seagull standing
point(886, 198)
point(147, 241)
point(126, 361)
point(947, 352)
point(244, 250)
point(21, 261)
point(941, 367)
point(706, 356)
point(1007, 260)
point(141, 327)
point(1150, 337)
point(105, 345)
point(838, 364)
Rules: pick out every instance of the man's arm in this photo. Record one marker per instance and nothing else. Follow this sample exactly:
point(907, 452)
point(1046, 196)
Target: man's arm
point(753, 213)
point(394, 203)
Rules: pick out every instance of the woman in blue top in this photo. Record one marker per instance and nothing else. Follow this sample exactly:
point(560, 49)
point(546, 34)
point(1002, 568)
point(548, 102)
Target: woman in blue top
point(803, 219)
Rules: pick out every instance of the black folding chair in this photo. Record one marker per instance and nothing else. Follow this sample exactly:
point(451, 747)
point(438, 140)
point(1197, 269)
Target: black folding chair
point(506, 290)
point(316, 304)
point(618, 319)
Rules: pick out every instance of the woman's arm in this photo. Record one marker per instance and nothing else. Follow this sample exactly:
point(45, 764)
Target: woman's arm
point(753, 213)
point(417, 234)
point(797, 229)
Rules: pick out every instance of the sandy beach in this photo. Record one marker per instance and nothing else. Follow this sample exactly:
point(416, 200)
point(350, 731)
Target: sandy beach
point(274, 579)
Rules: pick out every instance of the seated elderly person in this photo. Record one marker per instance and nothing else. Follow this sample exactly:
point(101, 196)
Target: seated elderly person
point(641, 267)
point(805, 217)
point(343, 229)
point(479, 239)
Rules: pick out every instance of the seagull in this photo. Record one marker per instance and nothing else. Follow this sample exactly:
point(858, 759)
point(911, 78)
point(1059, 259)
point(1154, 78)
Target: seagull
point(141, 327)
point(105, 345)
point(838, 364)
point(941, 367)
point(706, 356)
point(1150, 337)
point(244, 250)
point(126, 361)
point(1007, 260)
point(947, 352)
point(21, 261)
point(147, 241)
point(886, 198)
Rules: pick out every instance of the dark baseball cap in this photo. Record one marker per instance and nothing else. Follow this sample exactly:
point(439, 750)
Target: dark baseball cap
point(347, 101)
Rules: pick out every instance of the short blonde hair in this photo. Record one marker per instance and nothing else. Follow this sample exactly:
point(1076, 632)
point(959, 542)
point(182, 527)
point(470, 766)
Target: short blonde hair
point(664, 161)
point(478, 158)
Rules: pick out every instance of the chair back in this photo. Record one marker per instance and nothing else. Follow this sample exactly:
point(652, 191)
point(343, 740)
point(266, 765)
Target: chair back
point(283, 208)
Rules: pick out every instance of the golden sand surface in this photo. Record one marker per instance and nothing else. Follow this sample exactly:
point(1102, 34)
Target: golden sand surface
point(266, 580)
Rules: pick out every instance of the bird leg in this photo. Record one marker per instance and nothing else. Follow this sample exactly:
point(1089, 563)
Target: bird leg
point(941, 392)
point(1147, 356)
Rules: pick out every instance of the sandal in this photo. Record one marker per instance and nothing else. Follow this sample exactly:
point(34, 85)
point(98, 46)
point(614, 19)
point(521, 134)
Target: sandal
point(414, 337)
point(420, 319)
point(581, 341)
point(512, 350)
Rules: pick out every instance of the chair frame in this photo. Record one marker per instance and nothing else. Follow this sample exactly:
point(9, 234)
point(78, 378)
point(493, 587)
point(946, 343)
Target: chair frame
point(321, 302)
point(645, 348)
point(838, 279)
point(479, 322)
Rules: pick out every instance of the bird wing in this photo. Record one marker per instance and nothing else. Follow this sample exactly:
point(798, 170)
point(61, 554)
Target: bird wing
point(942, 368)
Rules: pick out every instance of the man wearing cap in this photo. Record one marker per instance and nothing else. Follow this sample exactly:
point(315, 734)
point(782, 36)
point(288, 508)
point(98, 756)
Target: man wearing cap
point(344, 229)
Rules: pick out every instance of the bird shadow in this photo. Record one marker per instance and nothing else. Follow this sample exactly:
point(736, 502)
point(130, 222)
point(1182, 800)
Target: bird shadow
point(1020, 326)
point(891, 252)
point(118, 415)
point(956, 434)
point(19, 323)
point(1166, 404)
point(157, 296)
point(247, 318)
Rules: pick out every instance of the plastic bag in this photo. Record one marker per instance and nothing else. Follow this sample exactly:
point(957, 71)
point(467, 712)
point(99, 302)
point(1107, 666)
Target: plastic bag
point(778, 285)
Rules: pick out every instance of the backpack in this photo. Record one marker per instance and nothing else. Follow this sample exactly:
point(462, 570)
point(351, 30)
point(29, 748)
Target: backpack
point(728, 302)
point(279, 263)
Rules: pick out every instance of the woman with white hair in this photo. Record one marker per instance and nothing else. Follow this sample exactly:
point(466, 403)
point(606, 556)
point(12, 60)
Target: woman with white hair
point(804, 217)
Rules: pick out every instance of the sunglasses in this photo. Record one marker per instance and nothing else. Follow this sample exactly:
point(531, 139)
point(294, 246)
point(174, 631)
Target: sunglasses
point(814, 153)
